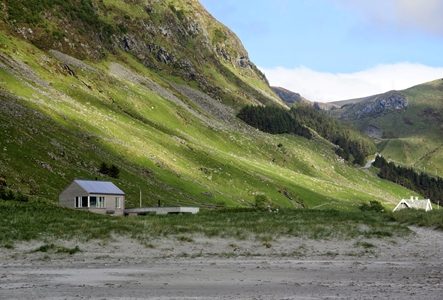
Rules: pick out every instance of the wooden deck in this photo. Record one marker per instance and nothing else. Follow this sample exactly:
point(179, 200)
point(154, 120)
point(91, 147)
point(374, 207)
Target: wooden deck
point(161, 210)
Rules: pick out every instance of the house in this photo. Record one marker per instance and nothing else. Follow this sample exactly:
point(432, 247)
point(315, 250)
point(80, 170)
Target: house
point(424, 204)
point(101, 197)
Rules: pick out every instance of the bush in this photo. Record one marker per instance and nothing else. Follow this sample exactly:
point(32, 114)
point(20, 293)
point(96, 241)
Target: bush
point(21, 198)
point(261, 201)
point(374, 206)
point(6, 194)
point(112, 171)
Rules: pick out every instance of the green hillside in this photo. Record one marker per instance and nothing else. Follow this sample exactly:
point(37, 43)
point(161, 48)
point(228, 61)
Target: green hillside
point(161, 107)
point(410, 136)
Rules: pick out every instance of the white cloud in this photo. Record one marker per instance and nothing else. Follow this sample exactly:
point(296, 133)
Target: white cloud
point(327, 87)
point(403, 15)
point(424, 14)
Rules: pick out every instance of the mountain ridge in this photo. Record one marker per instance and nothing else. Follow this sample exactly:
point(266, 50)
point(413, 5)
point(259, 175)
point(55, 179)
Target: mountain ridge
point(405, 124)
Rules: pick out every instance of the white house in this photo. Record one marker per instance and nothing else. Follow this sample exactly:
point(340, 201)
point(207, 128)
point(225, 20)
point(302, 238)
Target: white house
point(424, 204)
point(101, 197)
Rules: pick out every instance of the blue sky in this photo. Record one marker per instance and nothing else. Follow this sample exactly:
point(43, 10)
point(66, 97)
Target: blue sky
point(329, 50)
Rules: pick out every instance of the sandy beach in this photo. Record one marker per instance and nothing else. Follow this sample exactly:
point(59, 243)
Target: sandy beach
point(214, 268)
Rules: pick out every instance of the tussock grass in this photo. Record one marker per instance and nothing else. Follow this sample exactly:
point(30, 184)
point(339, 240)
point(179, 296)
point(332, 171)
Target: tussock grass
point(56, 249)
point(433, 219)
point(364, 244)
point(47, 222)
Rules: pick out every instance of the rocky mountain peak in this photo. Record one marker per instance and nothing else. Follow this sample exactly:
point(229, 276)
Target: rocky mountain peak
point(178, 38)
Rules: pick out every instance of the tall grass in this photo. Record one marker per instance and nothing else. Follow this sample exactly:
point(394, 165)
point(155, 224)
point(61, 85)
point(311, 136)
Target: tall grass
point(47, 222)
point(433, 219)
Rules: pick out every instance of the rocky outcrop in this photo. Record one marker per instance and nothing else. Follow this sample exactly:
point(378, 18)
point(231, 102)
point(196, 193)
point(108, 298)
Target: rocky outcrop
point(177, 38)
point(373, 107)
point(373, 132)
point(325, 106)
point(288, 96)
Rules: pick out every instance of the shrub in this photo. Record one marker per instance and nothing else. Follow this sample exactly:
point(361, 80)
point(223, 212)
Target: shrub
point(6, 194)
point(21, 198)
point(112, 171)
point(219, 36)
point(261, 201)
point(374, 206)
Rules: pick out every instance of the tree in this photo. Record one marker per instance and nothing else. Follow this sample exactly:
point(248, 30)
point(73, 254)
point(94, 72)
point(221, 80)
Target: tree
point(7, 194)
point(114, 171)
point(103, 168)
point(374, 206)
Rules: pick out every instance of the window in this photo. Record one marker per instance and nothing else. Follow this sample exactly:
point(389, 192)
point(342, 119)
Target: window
point(101, 202)
point(93, 202)
point(117, 202)
point(81, 202)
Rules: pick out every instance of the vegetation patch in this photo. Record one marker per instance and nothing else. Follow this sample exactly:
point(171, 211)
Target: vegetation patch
point(354, 146)
point(374, 206)
point(272, 119)
point(40, 221)
point(363, 244)
point(56, 249)
point(430, 187)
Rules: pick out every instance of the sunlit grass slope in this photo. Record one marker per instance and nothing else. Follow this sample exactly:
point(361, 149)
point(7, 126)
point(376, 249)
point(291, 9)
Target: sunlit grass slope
point(412, 136)
point(61, 120)
point(418, 130)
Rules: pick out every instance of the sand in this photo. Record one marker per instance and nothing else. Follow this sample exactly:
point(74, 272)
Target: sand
point(205, 268)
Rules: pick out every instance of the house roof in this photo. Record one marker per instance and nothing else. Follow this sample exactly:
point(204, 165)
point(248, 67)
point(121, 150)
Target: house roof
point(99, 187)
point(424, 204)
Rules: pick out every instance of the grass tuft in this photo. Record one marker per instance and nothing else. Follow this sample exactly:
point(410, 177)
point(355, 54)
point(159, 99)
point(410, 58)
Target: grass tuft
point(364, 244)
point(57, 249)
point(182, 238)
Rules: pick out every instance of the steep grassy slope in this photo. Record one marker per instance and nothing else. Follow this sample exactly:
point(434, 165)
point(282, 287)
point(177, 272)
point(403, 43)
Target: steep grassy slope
point(178, 38)
point(173, 135)
point(411, 135)
point(57, 127)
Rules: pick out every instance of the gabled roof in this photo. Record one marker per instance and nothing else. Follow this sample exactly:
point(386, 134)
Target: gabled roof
point(99, 187)
point(424, 204)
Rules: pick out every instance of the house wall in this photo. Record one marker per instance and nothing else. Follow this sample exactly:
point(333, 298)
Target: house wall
point(109, 204)
point(67, 199)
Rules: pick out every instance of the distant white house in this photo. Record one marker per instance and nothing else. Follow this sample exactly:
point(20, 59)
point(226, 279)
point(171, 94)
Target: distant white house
point(101, 197)
point(424, 204)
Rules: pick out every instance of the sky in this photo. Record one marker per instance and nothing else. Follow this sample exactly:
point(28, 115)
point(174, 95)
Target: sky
point(330, 50)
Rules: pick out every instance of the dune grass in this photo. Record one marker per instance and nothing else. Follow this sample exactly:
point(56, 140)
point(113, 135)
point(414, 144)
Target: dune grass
point(49, 223)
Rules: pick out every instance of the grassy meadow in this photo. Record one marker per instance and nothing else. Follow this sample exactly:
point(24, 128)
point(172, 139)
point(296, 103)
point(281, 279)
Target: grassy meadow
point(48, 223)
